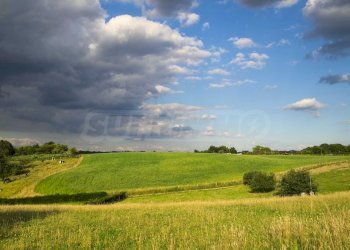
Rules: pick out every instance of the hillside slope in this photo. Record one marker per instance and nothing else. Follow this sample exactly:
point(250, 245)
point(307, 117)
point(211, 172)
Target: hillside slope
point(129, 171)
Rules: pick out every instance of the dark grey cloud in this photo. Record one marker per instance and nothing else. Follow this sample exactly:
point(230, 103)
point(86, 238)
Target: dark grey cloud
point(60, 59)
point(170, 8)
point(335, 79)
point(258, 3)
point(331, 21)
point(268, 3)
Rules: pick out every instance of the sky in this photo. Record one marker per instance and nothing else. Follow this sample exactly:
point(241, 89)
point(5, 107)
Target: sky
point(175, 74)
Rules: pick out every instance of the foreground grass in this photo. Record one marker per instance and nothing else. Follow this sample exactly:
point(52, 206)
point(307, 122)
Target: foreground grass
point(227, 193)
point(135, 171)
point(321, 222)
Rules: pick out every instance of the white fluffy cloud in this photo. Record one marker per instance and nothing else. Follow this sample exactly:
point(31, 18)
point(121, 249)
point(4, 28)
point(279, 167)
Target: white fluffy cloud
point(208, 117)
point(218, 71)
point(252, 61)
point(308, 104)
point(243, 42)
point(188, 19)
point(221, 85)
point(209, 131)
point(165, 90)
point(228, 83)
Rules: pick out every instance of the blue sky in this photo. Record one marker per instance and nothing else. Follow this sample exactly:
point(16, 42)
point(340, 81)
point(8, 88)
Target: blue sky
point(176, 75)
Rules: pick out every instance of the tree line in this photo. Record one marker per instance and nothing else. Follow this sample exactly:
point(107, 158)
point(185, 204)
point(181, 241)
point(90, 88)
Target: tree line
point(323, 149)
point(218, 150)
point(7, 149)
point(11, 165)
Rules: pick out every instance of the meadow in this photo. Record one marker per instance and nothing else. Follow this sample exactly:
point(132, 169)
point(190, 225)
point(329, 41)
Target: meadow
point(115, 172)
point(320, 222)
point(202, 212)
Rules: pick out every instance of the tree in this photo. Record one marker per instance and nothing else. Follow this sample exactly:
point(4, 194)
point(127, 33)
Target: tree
point(212, 149)
point(59, 149)
point(263, 182)
point(233, 150)
point(6, 148)
point(260, 150)
point(73, 152)
point(296, 182)
point(5, 168)
point(28, 150)
point(221, 150)
point(46, 148)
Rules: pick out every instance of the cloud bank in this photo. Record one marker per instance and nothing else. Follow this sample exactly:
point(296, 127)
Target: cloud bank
point(60, 60)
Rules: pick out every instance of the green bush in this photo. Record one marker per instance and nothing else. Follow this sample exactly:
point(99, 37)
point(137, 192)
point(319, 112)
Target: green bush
point(248, 177)
point(5, 168)
point(296, 182)
point(263, 183)
point(259, 182)
point(6, 148)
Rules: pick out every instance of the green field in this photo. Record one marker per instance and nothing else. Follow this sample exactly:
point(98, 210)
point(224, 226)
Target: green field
point(130, 171)
point(320, 222)
point(212, 217)
point(334, 181)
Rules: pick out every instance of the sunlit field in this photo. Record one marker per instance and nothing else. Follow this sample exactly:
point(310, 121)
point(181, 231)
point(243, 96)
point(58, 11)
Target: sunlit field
point(129, 171)
point(321, 222)
point(196, 215)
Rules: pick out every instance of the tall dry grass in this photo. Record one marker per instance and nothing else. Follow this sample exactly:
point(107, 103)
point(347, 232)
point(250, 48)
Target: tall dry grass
point(321, 222)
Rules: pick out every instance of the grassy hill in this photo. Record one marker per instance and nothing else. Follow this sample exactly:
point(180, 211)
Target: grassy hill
point(216, 218)
point(129, 171)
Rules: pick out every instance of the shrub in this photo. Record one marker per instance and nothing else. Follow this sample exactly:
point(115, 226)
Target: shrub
point(296, 182)
point(259, 182)
point(5, 168)
point(248, 177)
point(263, 182)
point(6, 148)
